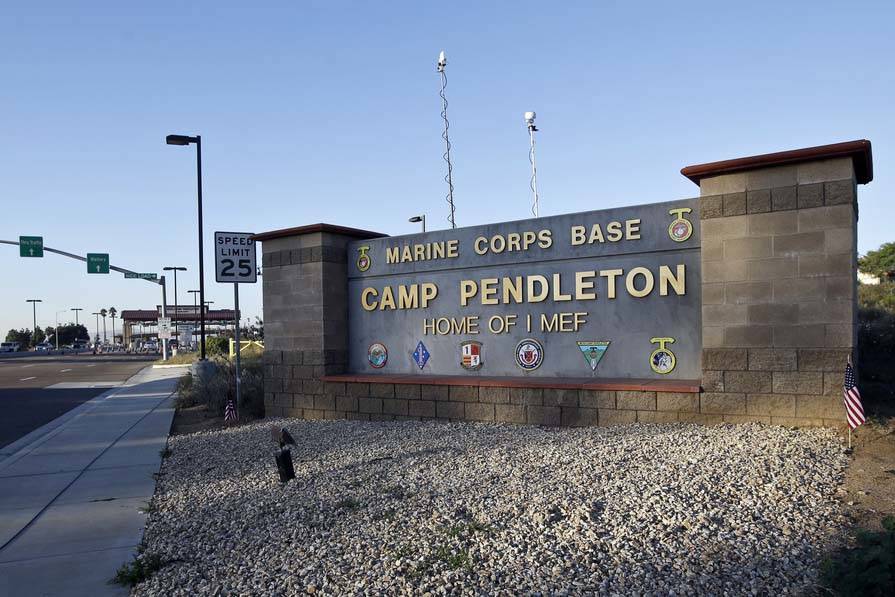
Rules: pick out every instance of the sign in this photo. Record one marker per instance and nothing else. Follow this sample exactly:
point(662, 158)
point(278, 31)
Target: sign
point(133, 275)
point(97, 263)
point(600, 295)
point(31, 246)
point(164, 328)
point(235, 257)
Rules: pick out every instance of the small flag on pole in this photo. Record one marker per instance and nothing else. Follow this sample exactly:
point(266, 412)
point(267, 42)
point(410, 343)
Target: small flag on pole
point(854, 410)
point(230, 412)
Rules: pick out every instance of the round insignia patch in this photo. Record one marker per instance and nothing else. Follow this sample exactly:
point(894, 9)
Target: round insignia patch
point(377, 354)
point(529, 354)
point(680, 228)
point(364, 261)
point(662, 360)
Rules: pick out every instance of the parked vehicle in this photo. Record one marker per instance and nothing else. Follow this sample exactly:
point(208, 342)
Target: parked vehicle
point(9, 347)
point(44, 347)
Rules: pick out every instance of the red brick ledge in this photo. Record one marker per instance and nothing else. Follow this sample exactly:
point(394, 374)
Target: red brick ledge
point(311, 228)
point(859, 151)
point(560, 383)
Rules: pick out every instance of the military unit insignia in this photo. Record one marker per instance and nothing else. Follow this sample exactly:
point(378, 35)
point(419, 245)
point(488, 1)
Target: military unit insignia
point(529, 354)
point(662, 359)
point(471, 355)
point(421, 355)
point(680, 228)
point(363, 260)
point(593, 352)
point(377, 354)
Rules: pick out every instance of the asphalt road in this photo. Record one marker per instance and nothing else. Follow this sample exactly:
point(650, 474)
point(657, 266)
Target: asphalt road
point(35, 390)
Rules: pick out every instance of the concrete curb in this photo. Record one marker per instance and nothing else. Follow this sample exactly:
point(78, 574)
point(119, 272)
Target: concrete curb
point(171, 366)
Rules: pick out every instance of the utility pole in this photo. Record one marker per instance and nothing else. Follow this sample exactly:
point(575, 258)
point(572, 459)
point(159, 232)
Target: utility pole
point(34, 315)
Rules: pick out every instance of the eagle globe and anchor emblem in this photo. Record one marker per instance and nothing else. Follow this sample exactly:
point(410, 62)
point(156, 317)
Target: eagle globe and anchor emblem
point(662, 360)
point(364, 261)
point(680, 228)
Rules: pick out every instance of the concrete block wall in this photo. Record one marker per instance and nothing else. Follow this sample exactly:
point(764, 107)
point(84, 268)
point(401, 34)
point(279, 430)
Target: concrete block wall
point(779, 314)
point(305, 314)
point(308, 399)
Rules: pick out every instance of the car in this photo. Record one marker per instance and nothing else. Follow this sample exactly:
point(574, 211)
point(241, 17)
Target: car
point(44, 347)
point(9, 347)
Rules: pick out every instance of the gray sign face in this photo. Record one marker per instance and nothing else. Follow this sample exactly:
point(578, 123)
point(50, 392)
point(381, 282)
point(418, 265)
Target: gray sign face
point(605, 294)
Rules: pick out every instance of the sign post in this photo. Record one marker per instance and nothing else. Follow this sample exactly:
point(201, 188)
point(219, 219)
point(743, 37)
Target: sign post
point(97, 263)
point(235, 262)
point(31, 246)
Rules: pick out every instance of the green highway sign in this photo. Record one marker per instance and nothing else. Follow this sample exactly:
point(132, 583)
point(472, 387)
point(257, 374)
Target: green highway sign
point(97, 263)
point(31, 246)
point(141, 276)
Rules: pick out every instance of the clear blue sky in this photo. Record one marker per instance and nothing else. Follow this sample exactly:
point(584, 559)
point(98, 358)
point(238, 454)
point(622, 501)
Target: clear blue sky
point(329, 111)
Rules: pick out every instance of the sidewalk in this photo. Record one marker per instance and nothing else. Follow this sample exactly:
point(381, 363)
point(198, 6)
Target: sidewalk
point(70, 496)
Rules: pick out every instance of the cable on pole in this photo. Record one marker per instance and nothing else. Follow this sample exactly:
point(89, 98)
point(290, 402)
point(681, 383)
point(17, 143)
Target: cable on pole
point(442, 62)
point(533, 182)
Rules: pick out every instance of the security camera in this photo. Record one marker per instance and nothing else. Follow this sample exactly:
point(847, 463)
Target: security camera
point(529, 118)
point(442, 61)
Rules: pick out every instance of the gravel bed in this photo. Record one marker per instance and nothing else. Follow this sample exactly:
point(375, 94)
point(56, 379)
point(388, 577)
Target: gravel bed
point(461, 508)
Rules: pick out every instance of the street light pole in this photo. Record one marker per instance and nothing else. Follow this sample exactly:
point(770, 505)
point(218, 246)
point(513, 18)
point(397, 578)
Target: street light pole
point(176, 326)
point(195, 313)
point(56, 333)
point(76, 309)
point(186, 140)
point(417, 219)
point(34, 316)
point(97, 330)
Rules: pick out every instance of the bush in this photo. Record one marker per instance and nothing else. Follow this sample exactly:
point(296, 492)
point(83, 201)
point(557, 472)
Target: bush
point(877, 296)
point(868, 569)
point(217, 346)
point(876, 345)
point(215, 390)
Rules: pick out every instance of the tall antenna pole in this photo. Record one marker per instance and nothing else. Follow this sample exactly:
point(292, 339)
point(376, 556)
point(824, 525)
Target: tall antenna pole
point(442, 62)
point(530, 122)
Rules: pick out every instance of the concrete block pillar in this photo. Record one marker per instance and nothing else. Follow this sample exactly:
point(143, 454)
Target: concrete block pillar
point(305, 285)
point(779, 274)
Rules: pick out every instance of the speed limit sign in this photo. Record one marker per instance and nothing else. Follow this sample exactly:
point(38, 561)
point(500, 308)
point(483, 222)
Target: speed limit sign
point(235, 257)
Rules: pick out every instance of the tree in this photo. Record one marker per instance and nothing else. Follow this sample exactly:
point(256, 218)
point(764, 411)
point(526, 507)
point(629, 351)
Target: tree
point(103, 313)
point(112, 313)
point(23, 337)
point(40, 335)
point(879, 262)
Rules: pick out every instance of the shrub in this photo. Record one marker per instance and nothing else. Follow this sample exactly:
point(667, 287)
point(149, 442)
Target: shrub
point(217, 346)
point(215, 390)
point(133, 573)
point(876, 344)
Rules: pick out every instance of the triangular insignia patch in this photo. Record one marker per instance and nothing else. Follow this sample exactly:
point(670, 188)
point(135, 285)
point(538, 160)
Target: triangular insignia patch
point(593, 352)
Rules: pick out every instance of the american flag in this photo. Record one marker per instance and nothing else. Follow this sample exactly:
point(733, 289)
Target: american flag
point(230, 412)
point(854, 410)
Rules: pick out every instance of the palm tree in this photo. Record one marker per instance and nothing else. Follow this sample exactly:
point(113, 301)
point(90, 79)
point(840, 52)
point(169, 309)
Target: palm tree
point(112, 313)
point(103, 312)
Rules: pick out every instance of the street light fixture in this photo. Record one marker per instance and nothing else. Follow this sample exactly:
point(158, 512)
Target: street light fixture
point(34, 313)
point(175, 270)
point(419, 218)
point(197, 140)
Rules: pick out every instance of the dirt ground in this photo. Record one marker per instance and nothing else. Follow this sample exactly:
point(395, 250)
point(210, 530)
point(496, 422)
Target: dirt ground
point(868, 493)
point(194, 419)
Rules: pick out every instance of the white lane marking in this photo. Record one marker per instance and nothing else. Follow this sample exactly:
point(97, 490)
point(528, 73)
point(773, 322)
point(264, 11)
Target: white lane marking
point(27, 378)
point(26, 366)
point(65, 370)
point(93, 365)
